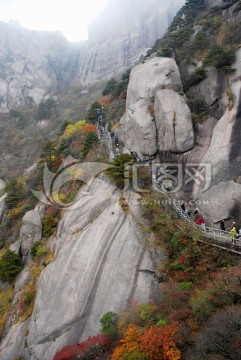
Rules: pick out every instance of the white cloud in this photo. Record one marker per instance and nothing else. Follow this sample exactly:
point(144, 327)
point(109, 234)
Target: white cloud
point(71, 17)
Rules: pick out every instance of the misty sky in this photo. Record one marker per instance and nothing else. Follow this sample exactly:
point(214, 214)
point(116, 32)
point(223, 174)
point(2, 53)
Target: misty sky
point(71, 17)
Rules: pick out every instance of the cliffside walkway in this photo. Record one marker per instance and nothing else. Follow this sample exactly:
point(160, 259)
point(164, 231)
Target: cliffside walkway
point(221, 238)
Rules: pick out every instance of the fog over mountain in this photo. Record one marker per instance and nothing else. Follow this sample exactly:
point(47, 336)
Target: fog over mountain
point(37, 64)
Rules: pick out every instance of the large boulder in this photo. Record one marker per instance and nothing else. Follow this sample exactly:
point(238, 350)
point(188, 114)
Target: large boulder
point(230, 205)
point(31, 231)
point(157, 116)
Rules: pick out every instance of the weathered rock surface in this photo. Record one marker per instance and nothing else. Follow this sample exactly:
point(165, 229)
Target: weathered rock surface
point(100, 266)
point(157, 116)
point(223, 201)
point(219, 148)
point(37, 64)
point(173, 121)
point(31, 231)
point(34, 65)
point(121, 34)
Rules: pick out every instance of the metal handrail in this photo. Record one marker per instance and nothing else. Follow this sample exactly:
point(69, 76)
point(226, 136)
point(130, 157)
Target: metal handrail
point(211, 233)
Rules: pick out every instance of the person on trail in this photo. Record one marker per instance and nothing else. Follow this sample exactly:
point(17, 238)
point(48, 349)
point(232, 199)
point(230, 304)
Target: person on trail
point(239, 232)
point(183, 207)
point(233, 234)
point(197, 215)
point(201, 222)
point(222, 225)
point(188, 211)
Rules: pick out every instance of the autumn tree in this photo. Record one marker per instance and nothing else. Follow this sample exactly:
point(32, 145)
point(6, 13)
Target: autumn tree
point(92, 348)
point(153, 343)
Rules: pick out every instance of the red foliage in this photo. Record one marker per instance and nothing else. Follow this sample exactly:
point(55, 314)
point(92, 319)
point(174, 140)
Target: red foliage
point(89, 128)
point(173, 297)
point(182, 258)
point(52, 211)
point(180, 315)
point(181, 275)
point(159, 343)
point(98, 344)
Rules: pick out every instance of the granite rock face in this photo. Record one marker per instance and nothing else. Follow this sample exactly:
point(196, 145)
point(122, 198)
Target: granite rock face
point(174, 122)
point(157, 116)
point(121, 34)
point(101, 265)
point(218, 147)
point(36, 64)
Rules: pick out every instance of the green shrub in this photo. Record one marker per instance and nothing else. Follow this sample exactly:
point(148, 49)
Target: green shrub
point(10, 265)
point(92, 114)
point(34, 249)
point(150, 315)
point(49, 225)
point(28, 297)
point(201, 40)
point(107, 323)
point(162, 322)
point(198, 107)
point(185, 286)
point(14, 191)
point(219, 58)
point(110, 87)
point(89, 142)
point(117, 169)
point(201, 304)
point(42, 251)
point(165, 52)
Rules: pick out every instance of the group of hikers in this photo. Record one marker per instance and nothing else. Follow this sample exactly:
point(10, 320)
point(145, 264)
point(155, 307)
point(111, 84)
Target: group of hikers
point(196, 216)
point(101, 125)
point(234, 233)
point(157, 174)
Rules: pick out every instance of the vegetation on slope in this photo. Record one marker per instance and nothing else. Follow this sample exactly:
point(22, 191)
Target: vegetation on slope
point(201, 294)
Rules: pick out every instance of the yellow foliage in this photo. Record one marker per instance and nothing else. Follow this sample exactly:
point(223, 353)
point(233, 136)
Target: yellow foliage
point(14, 213)
point(73, 128)
point(6, 297)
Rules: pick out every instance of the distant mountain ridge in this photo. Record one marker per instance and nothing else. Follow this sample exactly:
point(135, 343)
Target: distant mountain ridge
point(38, 64)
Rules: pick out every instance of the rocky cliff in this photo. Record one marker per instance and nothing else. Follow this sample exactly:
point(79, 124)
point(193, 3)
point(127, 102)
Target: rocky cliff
point(34, 65)
point(121, 34)
point(157, 116)
point(157, 120)
point(101, 264)
point(37, 64)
